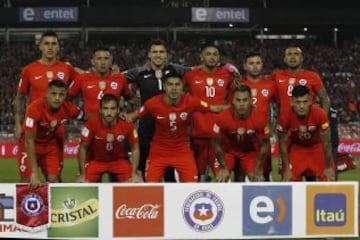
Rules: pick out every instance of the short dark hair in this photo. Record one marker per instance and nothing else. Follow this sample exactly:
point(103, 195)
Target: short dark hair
point(300, 91)
point(242, 88)
point(205, 45)
point(170, 72)
point(157, 42)
point(48, 33)
point(252, 54)
point(57, 83)
point(107, 98)
point(101, 48)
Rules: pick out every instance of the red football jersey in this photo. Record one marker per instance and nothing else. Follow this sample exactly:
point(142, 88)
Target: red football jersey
point(171, 122)
point(241, 135)
point(286, 81)
point(304, 131)
point(35, 77)
point(94, 87)
point(39, 119)
point(210, 87)
point(262, 93)
point(108, 143)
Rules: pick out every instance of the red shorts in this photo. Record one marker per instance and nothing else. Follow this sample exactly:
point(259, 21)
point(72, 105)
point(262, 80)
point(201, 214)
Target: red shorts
point(183, 162)
point(204, 153)
point(121, 168)
point(47, 155)
point(246, 162)
point(307, 161)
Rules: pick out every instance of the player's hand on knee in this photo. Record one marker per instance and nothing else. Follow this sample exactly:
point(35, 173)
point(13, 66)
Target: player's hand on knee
point(80, 178)
point(287, 175)
point(329, 174)
point(223, 175)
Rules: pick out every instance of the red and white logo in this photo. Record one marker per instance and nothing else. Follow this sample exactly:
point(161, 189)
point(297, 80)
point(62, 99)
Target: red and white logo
point(138, 211)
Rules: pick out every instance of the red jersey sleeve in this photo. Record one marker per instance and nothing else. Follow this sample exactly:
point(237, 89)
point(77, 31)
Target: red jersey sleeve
point(72, 110)
point(323, 120)
point(72, 71)
point(318, 83)
point(133, 135)
point(24, 82)
point(146, 108)
point(199, 105)
point(263, 129)
point(75, 86)
point(88, 131)
point(32, 117)
point(126, 91)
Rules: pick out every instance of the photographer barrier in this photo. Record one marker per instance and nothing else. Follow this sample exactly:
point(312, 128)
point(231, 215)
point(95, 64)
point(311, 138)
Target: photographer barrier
point(183, 211)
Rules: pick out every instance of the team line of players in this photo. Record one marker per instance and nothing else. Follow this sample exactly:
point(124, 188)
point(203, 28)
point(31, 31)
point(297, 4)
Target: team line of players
point(191, 119)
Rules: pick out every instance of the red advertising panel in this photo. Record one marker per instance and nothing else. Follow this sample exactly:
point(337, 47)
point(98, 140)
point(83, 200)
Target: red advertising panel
point(138, 211)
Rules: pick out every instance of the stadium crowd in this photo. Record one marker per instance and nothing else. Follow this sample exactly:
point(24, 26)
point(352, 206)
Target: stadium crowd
point(338, 67)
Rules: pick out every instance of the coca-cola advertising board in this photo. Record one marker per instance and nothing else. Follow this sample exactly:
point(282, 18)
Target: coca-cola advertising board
point(10, 149)
point(137, 208)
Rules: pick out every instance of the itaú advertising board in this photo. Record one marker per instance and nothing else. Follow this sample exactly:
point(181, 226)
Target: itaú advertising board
point(183, 211)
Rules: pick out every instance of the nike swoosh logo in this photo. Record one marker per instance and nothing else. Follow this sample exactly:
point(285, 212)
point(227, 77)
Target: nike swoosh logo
point(281, 80)
point(198, 82)
point(91, 86)
point(147, 76)
point(96, 137)
point(38, 77)
point(160, 117)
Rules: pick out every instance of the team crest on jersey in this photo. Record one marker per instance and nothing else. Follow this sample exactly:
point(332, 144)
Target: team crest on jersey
point(221, 82)
point(312, 128)
point(302, 128)
point(240, 131)
point(302, 82)
point(61, 75)
point(49, 74)
point(120, 138)
point(102, 85)
point(183, 115)
point(172, 116)
point(158, 74)
point(109, 137)
point(292, 81)
point(265, 92)
point(53, 123)
point(209, 81)
point(114, 85)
